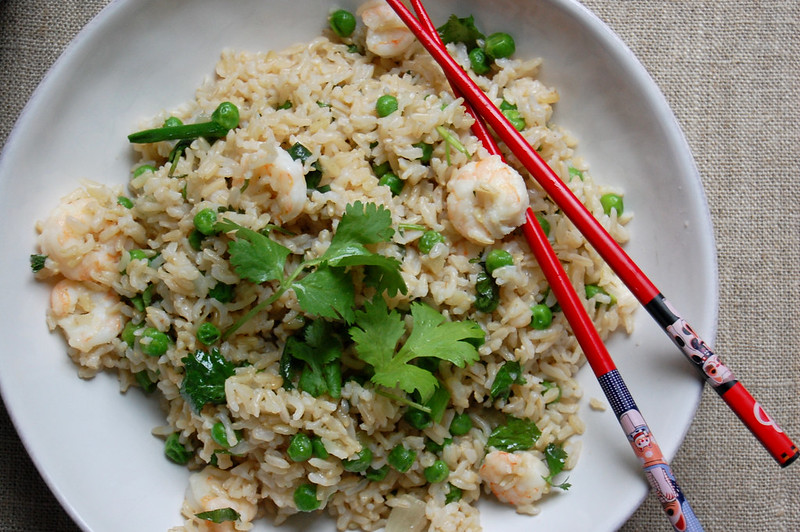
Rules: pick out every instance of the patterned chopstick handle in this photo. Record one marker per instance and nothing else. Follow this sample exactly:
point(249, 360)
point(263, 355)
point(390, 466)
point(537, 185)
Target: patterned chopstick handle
point(644, 445)
point(721, 378)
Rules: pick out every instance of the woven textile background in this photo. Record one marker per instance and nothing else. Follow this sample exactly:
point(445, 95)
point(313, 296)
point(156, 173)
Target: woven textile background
point(731, 72)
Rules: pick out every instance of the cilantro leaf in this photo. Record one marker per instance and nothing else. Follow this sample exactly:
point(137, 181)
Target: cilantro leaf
point(220, 515)
point(460, 30)
point(37, 262)
point(433, 336)
point(204, 381)
point(361, 224)
point(407, 377)
point(556, 458)
point(377, 331)
point(321, 350)
point(516, 435)
point(508, 374)
point(326, 292)
point(254, 256)
point(381, 273)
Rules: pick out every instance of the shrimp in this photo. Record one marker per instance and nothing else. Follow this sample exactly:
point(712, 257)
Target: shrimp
point(387, 35)
point(515, 478)
point(72, 237)
point(486, 200)
point(275, 171)
point(89, 316)
point(206, 492)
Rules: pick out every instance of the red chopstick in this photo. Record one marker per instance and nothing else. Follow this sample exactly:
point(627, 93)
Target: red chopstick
point(656, 469)
point(719, 376)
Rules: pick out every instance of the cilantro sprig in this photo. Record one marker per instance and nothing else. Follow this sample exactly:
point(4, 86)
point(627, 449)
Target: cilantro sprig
point(556, 458)
point(323, 285)
point(378, 330)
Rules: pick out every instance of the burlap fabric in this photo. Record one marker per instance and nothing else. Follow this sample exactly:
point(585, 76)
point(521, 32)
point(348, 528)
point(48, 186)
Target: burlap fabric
point(730, 72)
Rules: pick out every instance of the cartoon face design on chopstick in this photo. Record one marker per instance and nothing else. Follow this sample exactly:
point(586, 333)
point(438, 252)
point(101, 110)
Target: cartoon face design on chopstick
point(699, 353)
point(639, 436)
point(668, 495)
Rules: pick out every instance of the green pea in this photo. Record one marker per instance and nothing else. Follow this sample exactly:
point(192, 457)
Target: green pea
point(592, 290)
point(612, 201)
point(305, 497)
point(318, 448)
point(437, 472)
point(394, 183)
point(386, 105)
point(417, 418)
point(401, 458)
point(226, 115)
point(300, 448)
point(499, 45)
point(175, 450)
point(205, 221)
point(461, 424)
point(220, 435)
point(128, 331)
point(158, 344)
point(143, 168)
point(376, 475)
point(545, 225)
point(207, 333)
point(342, 22)
point(541, 317)
point(427, 151)
point(428, 240)
point(453, 495)
point(498, 258)
point(360, 462)
point(173, 121)
point(479, 61)
point(513, 115)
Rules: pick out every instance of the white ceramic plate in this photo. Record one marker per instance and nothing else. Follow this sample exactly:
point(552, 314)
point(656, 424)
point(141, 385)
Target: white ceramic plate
point(93, 445)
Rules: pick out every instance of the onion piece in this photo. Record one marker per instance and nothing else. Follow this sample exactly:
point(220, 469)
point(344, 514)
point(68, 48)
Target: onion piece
point(407, 516)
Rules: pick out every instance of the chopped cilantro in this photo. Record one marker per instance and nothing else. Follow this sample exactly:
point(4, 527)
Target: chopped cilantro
point(37, 262)
point(204, 381)
point(556, 458)
point(516, 435)
point(378, 330)
point(460, 30)
point(508, 374)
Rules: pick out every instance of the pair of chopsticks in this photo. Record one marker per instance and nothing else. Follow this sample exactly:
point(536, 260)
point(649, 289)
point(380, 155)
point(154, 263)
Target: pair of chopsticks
point(715, 373)
point(656, 469)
